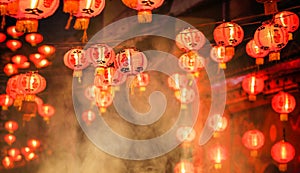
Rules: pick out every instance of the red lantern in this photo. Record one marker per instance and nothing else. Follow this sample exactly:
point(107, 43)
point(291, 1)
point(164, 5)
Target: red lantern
point(283, 103)
point(9, 139)
point(11, 126)
point(8, 162)
point(6, 101)
point(191, 62)
point(2, 37)
point(10, 69)
point(177, 81)
point(217, 155)
point(289, 20)
point(19, 60)
point(131, 61)
point(34, 38)
point(46, 50)
point(42, 63)
point(144, 8)
point(184, 167)
point(220, 55)
point(14, 90)
point(46, 111)
point(103, 99)
point(218, 123)
point(141, 80)
point(256, 52)
point(104, 77)
point(283, 152)
point(14, 153)
point(36, 57)
point(253, 86)
point(101, 55)
point(14, 45)
point(190, 39)
point(253, 140)
point(30, 11)
point(88, 117)
point(13, 32)
point(272, 37)
point(33, 144)
point(185, 95)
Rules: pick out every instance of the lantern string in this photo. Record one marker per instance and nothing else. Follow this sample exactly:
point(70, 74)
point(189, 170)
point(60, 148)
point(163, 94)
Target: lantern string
point(283, 135)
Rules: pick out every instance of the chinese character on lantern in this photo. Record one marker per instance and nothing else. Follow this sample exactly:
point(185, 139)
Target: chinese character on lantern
point(256, 52)
point(289, 20)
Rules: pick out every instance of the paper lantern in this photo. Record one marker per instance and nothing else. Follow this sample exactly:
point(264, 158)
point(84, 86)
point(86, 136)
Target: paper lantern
point(253, 85)
point(270, 6)
point(184, 167)
point(30, 11)
point(34, 38)
point(103, 99)
point(33, 144)
point(46, 50)
point(11, 126)
point(253, 140)
point(191, 62)
point(272, 37)
point(289, 20)
point(9, 139)
point(19, 60)
point(14, 45)
point(36, 57)
point(13, 32)
point(104, 77)
point(130, 61)
point(218, 154)
point(8, 162)
point(283, 103)
point(10, 69)
point(177, 81)
point(88, 117)
point(2, 37)
point(283, 152)
point(219, 55)
point(190, 39)
point(185, 95)
point(141, 80)
point(144, 8)
point(6, 101)
point(42, 63)
point(14, 153)
point(7, 7)
point(46, 111)
point(101, 55)
point(218, 123)
point(256, 52)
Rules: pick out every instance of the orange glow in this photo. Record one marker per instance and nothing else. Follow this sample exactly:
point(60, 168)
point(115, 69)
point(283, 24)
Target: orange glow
point(13, 32)
point(10, 69)
point(9, 139)
point(11, 126)
point(33, 143)
point(46, 50)
point(7, 162)
point(14, 45)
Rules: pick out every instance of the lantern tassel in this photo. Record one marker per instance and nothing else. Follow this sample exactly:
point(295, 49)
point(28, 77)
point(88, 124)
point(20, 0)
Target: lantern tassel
point(3, 22)
point(69, 22)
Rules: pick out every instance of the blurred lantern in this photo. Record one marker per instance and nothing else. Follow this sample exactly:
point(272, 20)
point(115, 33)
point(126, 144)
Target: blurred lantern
point(104, 77)
point(144, 8)
point(184, 167)
point(14, 90)
point(88, 117)
point(19, 60)
point(103, 99)
point(217, 155)
point(9, 138)
point(228, 34)
point(272, 37)
point(33, 144)
point(256, 52)
point(42, 63)
point(34, 38)
point(38, 101)
point(46, 50)
point(14, 153)
point(253, 140)
point(177, 81)
point(14, 45)
point(24, 65)
point(10, 69)
point(2, 37)
point(283, 152)
point(30, 156)
point(7, 7)
point(185, 134)
point(76, 60)
point(8, 162)
point(218, 123)
point(131, 61)
point(283, 103)
point(191, 62)
point(253, 85)
point(185, 95)
point(13, 32)
point(270, 6)
point(30, 11)
point(90, 92)
point(218, 54)
point(25, 151)
point(101, 55)
point(36, 57)
point(289, 20)
point(46, 111)
point(11, 126)
point(6, 101)
point(141, 80)
point(190, 39)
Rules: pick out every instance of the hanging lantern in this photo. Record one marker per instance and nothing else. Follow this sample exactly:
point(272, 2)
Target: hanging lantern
point(103, 99)
point(190, 39)
point(104, 77)
point(76, 60)
point(253, 140)
point(2, 37)
point(24, 65)
point(30, 156)
point(289, 20)
point(185, 95)
point(177, 81)
point(19, 60)
point(88, 117)
point(228, 34)
point(13, 32)
point(36, 57)
point(256, 52)
point(191, 62)
point(14, 90)
point(11, 126)
point(46, 50)
point(283, 103)
point(141, 80)
point(34, 38)
point(14, 153)
point(6, 101)
point(14, 45)
point(217, 155)
point(46, 111)
point(218, 123)
point(283, 152)
point(8, 162)
point(185, 134)
point(131, 61)
point(272, 37)
point(218, 54)
point(101, 55)
point(9, 139)
point(26, 151)
point(7, 7)
point(270, 6)
point(10, 69)
point(184, 167)
point(33, 144)
point(253, 86)
point(30, 11)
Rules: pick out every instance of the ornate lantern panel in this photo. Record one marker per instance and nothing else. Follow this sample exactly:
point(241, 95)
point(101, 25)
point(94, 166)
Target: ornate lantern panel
point(101, 55)
point(220, 55)
point(14, 45)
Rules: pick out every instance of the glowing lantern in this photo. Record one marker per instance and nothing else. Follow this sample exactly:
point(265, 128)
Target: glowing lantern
point(31, 83)
point(104, 77)
point(6, 101)
point(141, 80)
point(8, 162)
point(184, 167)
point(14, 45)
point(103, 99)
point(30, 156)
point(185, 134)
point(9, 139)
point(144, 8)
point(33, 144)
point(177, 81)
point(253, 140)
point(14, 153)
point(11, 126)
point(218, 123)
point(36, 57)
point(19, 60)
point(228, 34)
point(88, 117)
point(2, 37)
point(289, 20)
point(10, 69)
point(42, 63)
point(190, 39)
point(185, 95)
point(131, 61)
point(30, 11)
point(256, 52)
point(217, 155)
point(253, 86)
point(13, 32)
point(34, 38)
point(191, 62)
point(270, 6)
point(46, 50)
point(272, 37)
point(46, 111)
point(218, 54)
point(101, 55)
point(283, 103)
point(283, 152)
point(26, 150)
point(14, 91)
point(7, 7)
